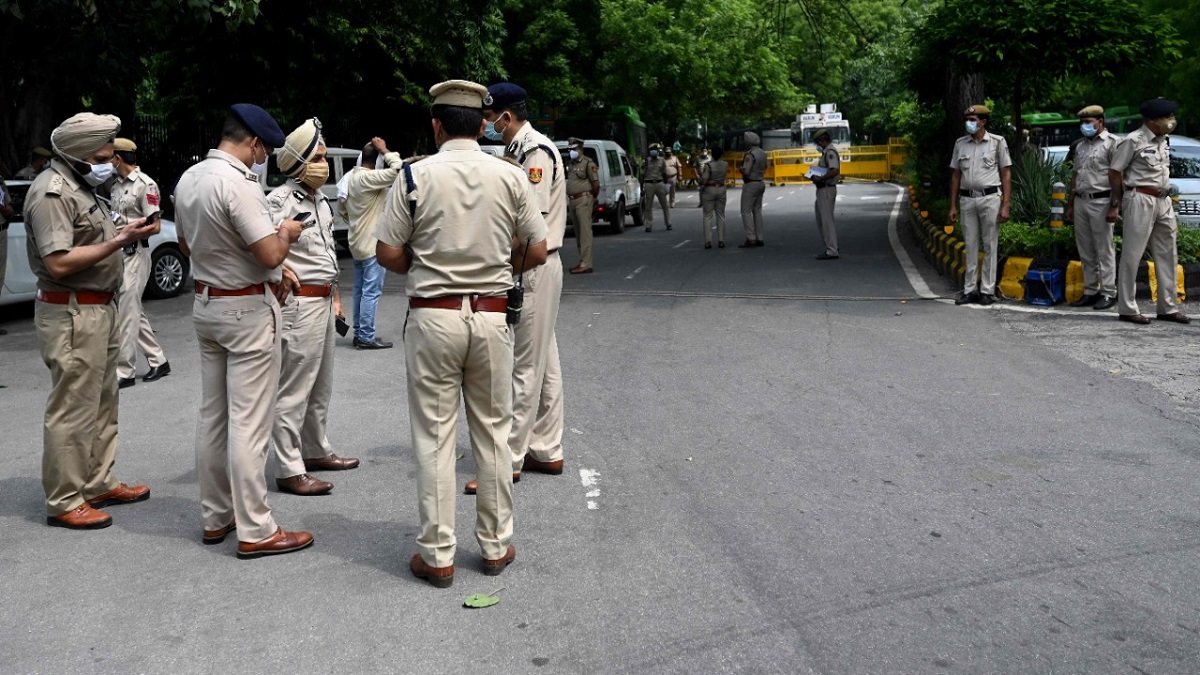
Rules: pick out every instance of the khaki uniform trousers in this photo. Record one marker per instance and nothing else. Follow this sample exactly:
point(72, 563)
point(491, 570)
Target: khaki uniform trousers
point(656, 191)
point(1097, 252)
point(452, 355)
point(3, 255)
point(239, 376)
point(305, 384)
point(1147, 220)
point(752, 201)
point(979, 217)
point(581, 216)
point(713, 201)
point(79, 435)
point(133, 326)
point(826, 200)
point(537, 373)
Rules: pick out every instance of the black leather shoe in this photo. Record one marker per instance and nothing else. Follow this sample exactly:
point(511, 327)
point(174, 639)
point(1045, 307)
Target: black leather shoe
point(126, 382)
point(1105, 302)
point(967, 298)
point(1134, 318)
point(1086, 300)
point(1176, 317)
point(157, 372)
point(374, 344)
point(720, 244)
point(759, 243)
point(987, 299)
point(826, 256)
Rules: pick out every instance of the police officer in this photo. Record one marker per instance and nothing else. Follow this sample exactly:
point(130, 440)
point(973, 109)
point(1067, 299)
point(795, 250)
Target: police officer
point(306, 340)
point(1140, 175)
point(135, 195)
point(236, 248)
point(1087, 207)
point(583, 185)
point(981, 180)
point(537, 427)
point(654, 176)
point(672, 171)
point(826, 185)
point(712, 198)
point(6, 211)
point(754, 165)
point(450, 225)
point(75, 252)
point(38, 161)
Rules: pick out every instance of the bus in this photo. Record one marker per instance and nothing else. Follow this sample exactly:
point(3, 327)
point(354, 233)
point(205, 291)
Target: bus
point(619, 123)
point(1048, 129)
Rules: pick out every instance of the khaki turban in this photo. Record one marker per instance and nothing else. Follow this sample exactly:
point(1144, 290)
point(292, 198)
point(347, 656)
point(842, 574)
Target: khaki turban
point(751, 139)
point(299, 148)
point(84, 134)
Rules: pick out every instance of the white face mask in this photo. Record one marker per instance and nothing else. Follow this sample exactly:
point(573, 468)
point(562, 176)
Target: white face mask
point(259, 169)
point(972, 127)
point(574, 155)
point(99, 174)
point(1088, 129)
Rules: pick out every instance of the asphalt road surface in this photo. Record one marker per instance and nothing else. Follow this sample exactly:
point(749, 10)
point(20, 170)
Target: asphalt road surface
point(774, 465)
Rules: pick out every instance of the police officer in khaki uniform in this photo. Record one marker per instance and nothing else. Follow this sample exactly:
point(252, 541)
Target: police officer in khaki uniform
point(981, 180)
point(1140, 175)
point(306, 340)
point(1087, 207)
point(712, 198)
point(583, 185)
point(754, 166)
point(672, 171)
point(537, 428)
point(75, 252)
point(135, 195)
point(236, 248)
point(654, 176)
point(39, 160)
point(6, 211)
point(450, 225)
point(826, 186)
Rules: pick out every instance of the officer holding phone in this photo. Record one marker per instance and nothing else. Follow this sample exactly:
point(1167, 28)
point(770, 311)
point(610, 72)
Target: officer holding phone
point(310, 301)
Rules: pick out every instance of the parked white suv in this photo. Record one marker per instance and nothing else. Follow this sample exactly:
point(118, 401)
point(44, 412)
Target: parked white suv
point(1185, 174)
point(341, 161)
point(620, 192)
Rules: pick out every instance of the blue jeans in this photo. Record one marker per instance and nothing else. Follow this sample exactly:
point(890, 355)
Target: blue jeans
point(368, 286)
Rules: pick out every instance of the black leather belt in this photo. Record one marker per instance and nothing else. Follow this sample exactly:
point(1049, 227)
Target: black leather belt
point(653, 181)
point(979, 193)
point(1094, 195)
point(752, 180)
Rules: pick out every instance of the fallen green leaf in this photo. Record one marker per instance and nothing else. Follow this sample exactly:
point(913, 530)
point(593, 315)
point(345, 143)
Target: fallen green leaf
point(481, 600)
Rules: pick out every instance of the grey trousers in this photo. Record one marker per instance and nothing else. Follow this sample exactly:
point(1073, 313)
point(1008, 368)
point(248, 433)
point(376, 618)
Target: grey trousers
point(826, 199)
point(752, 201)
point(979, 217)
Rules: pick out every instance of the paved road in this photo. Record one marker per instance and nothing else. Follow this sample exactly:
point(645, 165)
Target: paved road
point(783, 484)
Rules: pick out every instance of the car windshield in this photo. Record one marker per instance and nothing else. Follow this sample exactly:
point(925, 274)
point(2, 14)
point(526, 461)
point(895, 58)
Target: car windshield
point(1185, 161)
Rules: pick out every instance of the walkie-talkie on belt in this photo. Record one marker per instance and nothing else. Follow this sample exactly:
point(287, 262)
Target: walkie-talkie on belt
point(516, 294)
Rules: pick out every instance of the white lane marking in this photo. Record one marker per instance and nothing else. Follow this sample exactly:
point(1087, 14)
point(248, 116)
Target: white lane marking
point(914, 277)
point(634, 274)
point(592, 493)
point(573, 429)
point(779, 197)
point(592, 506)
point(681, 243)
point(590, 478)
point(791, 192)
point(867, 198)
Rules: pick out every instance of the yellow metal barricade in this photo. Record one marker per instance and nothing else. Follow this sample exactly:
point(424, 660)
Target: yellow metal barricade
point(789, 166)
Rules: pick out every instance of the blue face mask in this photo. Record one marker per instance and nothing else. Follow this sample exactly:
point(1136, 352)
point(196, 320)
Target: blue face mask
point(490, 133)
point(654, 153)
point(972, 127)
point(1088, 129)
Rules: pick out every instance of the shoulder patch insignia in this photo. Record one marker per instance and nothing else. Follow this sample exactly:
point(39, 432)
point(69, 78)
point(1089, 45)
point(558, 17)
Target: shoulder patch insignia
point(535, 174)
point(55, 187)
point(298, 195)
point(152, 198)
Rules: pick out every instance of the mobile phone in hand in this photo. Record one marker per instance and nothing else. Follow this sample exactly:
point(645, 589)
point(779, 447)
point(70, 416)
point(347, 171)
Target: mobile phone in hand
point(340, 325)
point(153, 217)
point(306, 219)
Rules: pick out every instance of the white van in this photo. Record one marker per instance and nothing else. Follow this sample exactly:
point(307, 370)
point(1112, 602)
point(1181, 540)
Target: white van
point(341, 161)
point(620, 191)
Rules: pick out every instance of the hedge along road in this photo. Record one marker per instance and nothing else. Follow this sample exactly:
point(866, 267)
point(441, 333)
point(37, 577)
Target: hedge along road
point(753, 485)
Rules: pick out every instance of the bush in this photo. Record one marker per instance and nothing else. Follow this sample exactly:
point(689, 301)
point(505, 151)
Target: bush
point(1032, 181)
point(1022, 240)
point(1187, 243)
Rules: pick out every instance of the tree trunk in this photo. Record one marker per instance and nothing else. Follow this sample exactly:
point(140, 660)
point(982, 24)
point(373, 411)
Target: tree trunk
point(962, 91)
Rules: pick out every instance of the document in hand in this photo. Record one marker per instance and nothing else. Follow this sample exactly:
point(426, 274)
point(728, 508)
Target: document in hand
point(816, 172)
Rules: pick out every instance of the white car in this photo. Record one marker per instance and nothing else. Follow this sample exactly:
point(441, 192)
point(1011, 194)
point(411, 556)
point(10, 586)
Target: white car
point(620, 190)
point(169, 266)
point(1055, 154)
point(341, 161)
point(1185, 175)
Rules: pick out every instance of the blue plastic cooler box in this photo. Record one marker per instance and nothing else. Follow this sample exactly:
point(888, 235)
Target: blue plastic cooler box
point(1044, 287)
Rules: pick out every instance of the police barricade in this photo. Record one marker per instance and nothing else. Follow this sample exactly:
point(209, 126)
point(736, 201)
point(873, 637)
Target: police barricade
point(789, 166)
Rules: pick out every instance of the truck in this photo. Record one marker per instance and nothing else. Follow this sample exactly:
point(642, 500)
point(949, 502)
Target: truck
point(813, 120)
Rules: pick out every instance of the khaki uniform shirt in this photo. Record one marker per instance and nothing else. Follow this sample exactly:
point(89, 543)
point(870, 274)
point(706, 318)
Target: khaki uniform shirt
point(1091, 157)
point(580, 175)
point(831, 159)
point(313, 257)
point(672, 167)
point(61, 212)
point(27, 173)
point(980, 161)
point(469, 207)
point(220, 210)
point(133, 197)
point(713, 171)
point(754, 164)
point(654, 169)
point(547, 179)
point(1144, 161)
point(366, 196)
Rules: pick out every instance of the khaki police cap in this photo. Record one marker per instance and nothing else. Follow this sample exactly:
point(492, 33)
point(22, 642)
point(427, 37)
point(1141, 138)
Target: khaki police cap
point(823, 133)
point(124, 145)
point(977, 110)
point(1090, 111)
point(574, 142)
point(42, 152)
point(461, 93)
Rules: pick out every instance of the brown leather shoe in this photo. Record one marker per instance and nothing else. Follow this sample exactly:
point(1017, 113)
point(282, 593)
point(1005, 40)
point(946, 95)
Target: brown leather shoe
point(82, 518)
point(1134, 318)
point(495, 567)
point(304, 485)
point(439, 577)
point(553, 468)
point(277, 544)
point(473, 485)
point(330, 463)
point(217, 536)
point(122, 494)
point(1177, 317)
point(580, 269)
